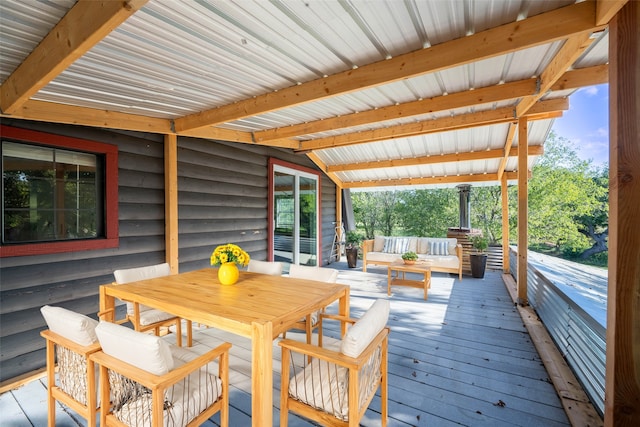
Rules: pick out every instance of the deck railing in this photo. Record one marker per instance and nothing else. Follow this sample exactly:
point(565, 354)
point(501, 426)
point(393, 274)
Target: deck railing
point(578, 336)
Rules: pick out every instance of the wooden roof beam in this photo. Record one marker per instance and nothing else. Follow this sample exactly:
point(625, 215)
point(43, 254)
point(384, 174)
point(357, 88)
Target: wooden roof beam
point(566, 56)
point(84, 25)
point(332, 175)
point(607, 9)
point(506, 91)
point(52, 112)
point(534, 150)
point(506, 152)
point(570, 80)
point(453, 179)
point(582, 77)
point(539, 29)
point(461, 121)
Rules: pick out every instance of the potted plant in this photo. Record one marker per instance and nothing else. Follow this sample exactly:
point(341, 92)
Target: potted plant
point(410, 257)
point(352, 240)
point(478, 259)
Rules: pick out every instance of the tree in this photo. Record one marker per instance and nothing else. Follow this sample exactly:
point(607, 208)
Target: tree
point(563, 195)
point(375, 210)
point(595, 224)
point(428, 212)
point(486, 211)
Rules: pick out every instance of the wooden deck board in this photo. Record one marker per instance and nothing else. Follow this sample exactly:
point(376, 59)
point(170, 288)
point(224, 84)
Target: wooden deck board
point(452, 360)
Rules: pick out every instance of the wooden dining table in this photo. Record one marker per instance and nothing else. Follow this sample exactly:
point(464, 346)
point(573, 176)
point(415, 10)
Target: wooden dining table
point(258, 306)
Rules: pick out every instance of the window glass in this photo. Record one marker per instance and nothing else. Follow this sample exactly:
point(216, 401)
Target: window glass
point(50, 194)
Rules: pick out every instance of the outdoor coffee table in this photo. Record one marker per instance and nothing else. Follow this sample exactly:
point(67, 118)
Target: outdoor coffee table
point(400, 267)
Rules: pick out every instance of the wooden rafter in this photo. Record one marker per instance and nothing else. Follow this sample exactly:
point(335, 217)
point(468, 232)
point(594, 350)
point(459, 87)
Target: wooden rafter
point(574, 79)
point(466, 98)
point(462, 121)
point(86, 23)
point(543, 28)
point(332, 175)
point(607, 9)
point(70, 114)
point(512, 90)
point(567, 55)
point(507, 150)
point(534, 150)
point(434, 180)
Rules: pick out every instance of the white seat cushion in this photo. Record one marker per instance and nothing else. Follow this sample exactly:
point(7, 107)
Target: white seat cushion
point(152, 315)
point(185, 401)
point(323, 386)
point(71, 325)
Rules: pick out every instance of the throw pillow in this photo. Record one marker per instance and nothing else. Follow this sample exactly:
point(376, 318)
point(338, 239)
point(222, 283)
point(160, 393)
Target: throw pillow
point(439, 248)
point(389, 245)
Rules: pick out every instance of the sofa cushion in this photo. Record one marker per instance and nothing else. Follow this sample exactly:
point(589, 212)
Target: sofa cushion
point(378, 243)
point(440, 261)
point(423, 245)
point(382, 257)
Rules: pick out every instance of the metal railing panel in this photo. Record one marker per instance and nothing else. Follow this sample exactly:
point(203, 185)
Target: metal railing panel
point(578, 336)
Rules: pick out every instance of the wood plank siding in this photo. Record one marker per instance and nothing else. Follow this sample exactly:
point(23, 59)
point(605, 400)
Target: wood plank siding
point(222, 197)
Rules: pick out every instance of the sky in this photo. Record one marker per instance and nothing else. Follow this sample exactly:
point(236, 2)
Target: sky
point(586, 123)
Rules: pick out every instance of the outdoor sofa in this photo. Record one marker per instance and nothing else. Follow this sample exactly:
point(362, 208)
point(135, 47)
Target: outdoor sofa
point(443, 254)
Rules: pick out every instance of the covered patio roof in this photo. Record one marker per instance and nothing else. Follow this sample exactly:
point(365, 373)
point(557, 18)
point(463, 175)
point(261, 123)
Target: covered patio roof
point(377, 94)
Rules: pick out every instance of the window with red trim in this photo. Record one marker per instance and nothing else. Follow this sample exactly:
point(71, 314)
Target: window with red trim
point(57, 193)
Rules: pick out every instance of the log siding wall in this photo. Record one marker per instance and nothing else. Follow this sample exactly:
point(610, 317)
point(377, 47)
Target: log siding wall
point(222, 197)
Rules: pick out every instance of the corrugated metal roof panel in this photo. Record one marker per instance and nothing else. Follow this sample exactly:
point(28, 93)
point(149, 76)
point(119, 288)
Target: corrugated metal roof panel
point(174, 58)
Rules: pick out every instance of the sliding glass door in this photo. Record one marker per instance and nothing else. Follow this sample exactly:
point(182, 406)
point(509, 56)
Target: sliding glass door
point(294, 217)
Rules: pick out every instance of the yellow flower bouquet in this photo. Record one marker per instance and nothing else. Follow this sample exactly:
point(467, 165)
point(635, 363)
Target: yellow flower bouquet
point(229, 253)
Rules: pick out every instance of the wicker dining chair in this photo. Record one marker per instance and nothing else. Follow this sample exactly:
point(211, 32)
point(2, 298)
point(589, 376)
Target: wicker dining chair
point(71, 338)
point(265, 267)
point(337, 386)
point(145, 318)
point(149, 382)
point(322, 274)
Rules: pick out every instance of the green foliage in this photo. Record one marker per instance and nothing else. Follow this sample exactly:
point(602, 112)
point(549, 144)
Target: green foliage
point(428, 212)
point(353, 239)
point(479, 243)
point(409, 256)
point(568, 208)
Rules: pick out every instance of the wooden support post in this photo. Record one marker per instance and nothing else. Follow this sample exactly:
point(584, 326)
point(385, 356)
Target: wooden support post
point(622, 381)
point(523, 211)
point(505, 223)
point(171, 201)
point(339, 210)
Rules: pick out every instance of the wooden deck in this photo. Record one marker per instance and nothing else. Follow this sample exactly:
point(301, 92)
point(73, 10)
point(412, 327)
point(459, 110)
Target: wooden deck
point(461, 358)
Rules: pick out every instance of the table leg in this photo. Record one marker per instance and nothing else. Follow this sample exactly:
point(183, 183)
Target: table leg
point(343, 309)
point(426, 284)
point(261, 374)
point(107, 306)
point(388, 280)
